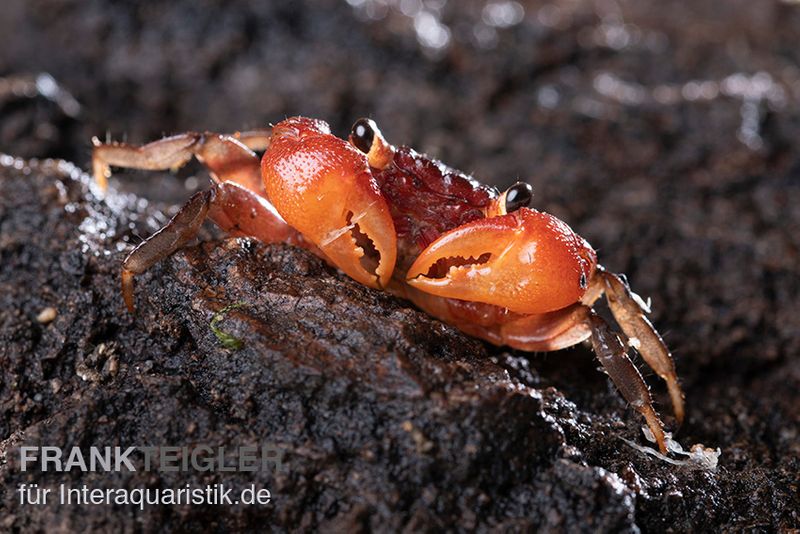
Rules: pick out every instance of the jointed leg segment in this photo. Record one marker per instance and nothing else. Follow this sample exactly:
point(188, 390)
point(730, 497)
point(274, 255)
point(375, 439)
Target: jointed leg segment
point(257, 140)
point(612, 354)
point(177, 232)
point(630, 314)
point(227, 158)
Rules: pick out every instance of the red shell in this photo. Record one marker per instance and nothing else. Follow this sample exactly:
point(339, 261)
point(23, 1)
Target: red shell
point(427, 198)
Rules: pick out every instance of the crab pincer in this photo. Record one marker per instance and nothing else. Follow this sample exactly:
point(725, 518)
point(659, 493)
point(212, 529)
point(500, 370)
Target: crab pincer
point(526, 261)
point(323, 187)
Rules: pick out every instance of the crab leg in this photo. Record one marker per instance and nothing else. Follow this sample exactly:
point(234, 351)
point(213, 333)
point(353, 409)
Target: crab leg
point(234, 202)
point(177, 232)
point(233, 208)
point(226, 157)
point(612, 354)
point(257, 140)
point(630, 312)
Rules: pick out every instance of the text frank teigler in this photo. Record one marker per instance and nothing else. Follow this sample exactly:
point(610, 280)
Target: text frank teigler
point(199, 458)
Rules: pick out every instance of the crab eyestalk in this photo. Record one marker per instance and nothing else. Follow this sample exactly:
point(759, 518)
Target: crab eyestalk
point(366, 137)
point(525, 261)
point(322, 186)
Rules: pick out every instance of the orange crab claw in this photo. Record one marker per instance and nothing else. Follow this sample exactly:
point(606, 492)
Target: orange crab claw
point(323, 187)
point(526, 261)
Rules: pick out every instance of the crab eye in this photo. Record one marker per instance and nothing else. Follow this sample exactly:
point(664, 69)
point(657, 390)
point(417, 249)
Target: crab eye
point(362, 134)
point(518, 196)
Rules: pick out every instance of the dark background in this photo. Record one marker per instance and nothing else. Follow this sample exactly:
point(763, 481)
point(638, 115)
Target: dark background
point(666, 133)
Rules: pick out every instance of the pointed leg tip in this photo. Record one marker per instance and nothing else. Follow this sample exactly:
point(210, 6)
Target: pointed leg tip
point(678, 400)
point(656, 427)
point(101, 172)
point(127, 291)
point(680, 415)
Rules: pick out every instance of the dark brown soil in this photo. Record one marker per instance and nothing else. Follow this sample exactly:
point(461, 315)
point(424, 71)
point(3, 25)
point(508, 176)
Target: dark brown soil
point(665, 133)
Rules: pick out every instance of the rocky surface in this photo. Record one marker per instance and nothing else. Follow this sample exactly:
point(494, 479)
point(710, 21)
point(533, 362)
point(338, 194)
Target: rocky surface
point(665, 134)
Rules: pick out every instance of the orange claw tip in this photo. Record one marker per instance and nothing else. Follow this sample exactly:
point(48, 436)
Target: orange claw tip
point(526, 261)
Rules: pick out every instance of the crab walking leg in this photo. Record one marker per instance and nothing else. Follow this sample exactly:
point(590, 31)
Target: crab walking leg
point(233, 208)
point(612, 354)
point(257, 140)
point(176, 233)
point(631, 316)
point(227, 158)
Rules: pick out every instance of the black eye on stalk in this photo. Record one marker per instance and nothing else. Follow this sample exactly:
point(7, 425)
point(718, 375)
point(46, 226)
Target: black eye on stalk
point(518, 196)
point(362, 134)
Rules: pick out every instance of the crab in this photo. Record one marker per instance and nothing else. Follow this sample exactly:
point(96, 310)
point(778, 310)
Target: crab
point(399, 221)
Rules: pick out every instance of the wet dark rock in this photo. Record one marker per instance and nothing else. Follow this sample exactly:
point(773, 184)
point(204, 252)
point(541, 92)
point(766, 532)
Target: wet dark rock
point(390, 419)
